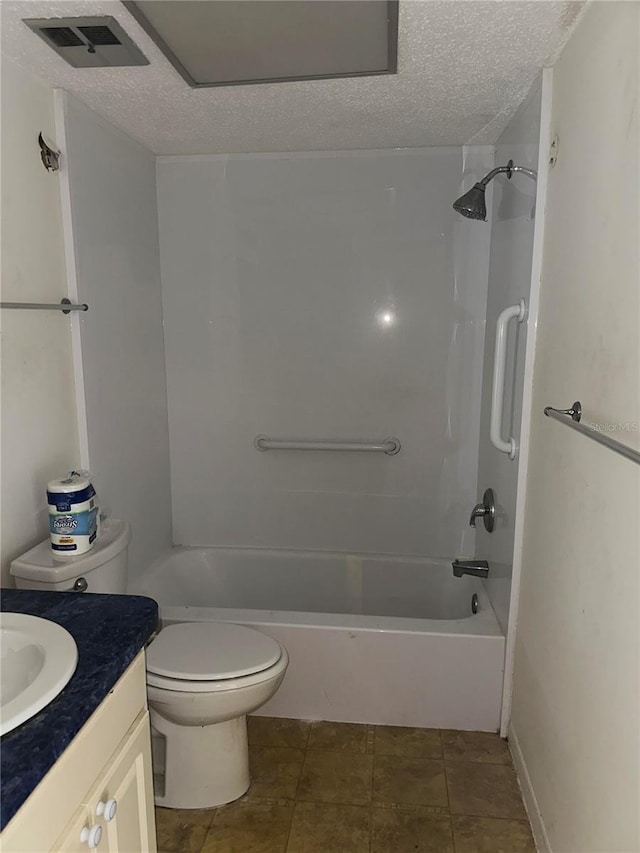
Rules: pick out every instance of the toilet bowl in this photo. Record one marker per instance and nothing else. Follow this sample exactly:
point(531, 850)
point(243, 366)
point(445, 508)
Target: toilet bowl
point(203, 678)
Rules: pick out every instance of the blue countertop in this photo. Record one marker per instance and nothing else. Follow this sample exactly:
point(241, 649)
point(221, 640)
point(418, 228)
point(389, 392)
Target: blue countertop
point(109, 631)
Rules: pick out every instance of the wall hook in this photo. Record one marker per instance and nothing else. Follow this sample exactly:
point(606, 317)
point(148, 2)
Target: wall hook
point(50, 158)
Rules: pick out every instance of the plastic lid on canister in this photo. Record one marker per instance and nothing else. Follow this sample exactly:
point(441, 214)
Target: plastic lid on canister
point(70, 483)
point(44, 565)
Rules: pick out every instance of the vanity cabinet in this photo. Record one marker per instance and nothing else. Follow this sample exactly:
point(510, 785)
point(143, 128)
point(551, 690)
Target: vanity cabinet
point(99, 794)
point(115, 816)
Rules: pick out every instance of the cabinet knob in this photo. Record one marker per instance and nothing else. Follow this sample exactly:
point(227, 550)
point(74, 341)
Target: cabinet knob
point(107, 809)
point(91, 835)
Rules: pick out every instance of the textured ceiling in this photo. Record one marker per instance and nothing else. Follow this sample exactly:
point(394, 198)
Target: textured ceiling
point(464, 66)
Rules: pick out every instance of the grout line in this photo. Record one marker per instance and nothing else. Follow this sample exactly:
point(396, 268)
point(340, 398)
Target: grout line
point(314, 749)
point(479, 763)
point(424, 808)
point(446, 784)
point(370, 741)
point(373, 767)
point(293, 811)
point(304, 761)
point(405, 807)
point(373, 776)
point(371, 828)
point(215, 812)
point(446, 779)
point(492, 817)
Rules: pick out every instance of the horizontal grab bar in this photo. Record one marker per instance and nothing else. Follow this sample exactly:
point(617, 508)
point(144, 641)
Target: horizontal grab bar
point(65, 305)
point(571, 417)
point(389, 445)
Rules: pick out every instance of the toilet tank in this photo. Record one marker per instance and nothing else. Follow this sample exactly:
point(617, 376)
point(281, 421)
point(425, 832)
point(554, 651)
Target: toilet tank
point(104, 567)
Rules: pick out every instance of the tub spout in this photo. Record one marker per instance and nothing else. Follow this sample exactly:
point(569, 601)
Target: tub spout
point(477, 568)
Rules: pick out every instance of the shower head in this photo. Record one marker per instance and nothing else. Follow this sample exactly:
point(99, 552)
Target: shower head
point(472, 203)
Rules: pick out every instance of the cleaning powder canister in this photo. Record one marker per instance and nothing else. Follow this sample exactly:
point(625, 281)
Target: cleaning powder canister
point(73, 514)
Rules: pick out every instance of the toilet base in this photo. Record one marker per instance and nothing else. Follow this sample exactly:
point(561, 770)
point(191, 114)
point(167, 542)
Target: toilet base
point(205, 766)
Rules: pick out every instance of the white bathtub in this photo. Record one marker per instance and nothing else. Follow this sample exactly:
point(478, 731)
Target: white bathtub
point(383, 640)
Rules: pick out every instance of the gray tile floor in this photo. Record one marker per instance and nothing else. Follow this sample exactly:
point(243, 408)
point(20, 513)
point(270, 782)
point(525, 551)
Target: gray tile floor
point(350, 788)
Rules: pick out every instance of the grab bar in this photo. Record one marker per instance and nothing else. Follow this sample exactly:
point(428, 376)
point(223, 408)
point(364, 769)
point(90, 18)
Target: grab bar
point(571, 417)
point(65, 305)
point(513, 312)
point(390, 445)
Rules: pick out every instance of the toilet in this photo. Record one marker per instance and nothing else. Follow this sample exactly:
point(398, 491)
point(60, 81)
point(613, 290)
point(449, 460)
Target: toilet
point(203, 678)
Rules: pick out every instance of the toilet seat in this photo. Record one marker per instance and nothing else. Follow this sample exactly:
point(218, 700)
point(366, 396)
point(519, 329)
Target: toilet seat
point(198, 657)
point(177, 685)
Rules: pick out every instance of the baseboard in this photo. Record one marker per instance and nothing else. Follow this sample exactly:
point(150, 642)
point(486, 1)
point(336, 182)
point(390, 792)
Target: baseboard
point(528, 795)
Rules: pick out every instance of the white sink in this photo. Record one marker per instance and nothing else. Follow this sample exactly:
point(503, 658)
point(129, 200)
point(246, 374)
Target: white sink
point(38, 657)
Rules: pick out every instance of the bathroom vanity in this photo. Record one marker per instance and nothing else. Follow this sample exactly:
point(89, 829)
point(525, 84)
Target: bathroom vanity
point(78, 775)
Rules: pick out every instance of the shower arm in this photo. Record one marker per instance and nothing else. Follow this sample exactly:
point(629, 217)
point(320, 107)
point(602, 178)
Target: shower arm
point(508, 169)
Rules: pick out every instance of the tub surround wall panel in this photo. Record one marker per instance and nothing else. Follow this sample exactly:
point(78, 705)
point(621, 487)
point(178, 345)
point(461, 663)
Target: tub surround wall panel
point(314, 296)
point(512, 225)
point(577, 653)
point(114, 237)
point(39, 432)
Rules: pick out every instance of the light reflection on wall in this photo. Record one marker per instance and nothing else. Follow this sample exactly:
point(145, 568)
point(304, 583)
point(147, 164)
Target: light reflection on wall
point(386, 317)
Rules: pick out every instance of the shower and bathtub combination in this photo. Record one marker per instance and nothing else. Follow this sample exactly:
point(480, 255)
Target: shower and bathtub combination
point(370, 639)
point(334, 362)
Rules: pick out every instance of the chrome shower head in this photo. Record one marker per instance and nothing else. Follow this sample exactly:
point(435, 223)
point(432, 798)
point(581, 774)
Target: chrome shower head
point(472, 203)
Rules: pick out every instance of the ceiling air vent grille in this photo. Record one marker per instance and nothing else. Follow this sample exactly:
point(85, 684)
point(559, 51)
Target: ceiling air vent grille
point(99, 35)
point(62, 36)
point(89, 42)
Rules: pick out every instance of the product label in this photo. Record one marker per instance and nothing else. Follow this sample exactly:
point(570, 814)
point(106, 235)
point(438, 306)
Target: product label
point(75, 524)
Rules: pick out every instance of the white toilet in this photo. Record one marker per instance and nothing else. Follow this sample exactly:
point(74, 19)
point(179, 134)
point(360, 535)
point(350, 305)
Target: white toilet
point(203, 678)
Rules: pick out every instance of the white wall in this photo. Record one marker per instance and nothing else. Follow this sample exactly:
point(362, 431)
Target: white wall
point(512, 224)
point(39, 434)
point(576, 700)
point(114, 235)
point(277, 273)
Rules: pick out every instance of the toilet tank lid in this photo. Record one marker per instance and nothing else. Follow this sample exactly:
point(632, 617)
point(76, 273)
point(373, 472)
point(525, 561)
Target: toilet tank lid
point(209, 651)
point(42, 565)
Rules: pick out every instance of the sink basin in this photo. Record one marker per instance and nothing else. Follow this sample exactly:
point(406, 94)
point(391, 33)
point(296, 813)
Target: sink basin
point(37, 659)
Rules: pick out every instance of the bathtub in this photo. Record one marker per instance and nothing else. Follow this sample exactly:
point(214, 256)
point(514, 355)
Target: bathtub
point(371, 639)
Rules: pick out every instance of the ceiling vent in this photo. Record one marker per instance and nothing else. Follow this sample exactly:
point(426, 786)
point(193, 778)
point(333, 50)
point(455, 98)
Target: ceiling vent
point(92, 42)
point(240, 42)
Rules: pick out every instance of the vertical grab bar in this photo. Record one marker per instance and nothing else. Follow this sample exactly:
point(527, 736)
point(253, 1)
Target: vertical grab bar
point(513, 312)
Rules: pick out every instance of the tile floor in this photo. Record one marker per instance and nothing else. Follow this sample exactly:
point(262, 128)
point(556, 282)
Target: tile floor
point(350, 788)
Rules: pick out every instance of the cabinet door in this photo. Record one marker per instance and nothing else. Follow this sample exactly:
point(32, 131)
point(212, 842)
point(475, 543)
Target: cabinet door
point(127, 780)
point(69, 841)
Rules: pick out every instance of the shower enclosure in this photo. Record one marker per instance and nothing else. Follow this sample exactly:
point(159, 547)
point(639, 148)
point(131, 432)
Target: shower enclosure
point(327, 322)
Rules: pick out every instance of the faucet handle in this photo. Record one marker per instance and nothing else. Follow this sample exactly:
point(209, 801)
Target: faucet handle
point(477, 512)
point(485, 510)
